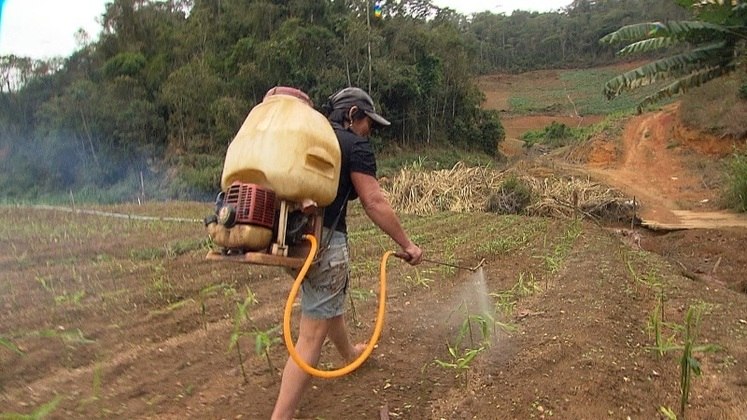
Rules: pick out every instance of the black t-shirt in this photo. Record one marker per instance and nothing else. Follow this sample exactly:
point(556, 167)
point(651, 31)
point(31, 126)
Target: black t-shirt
point(356, 156)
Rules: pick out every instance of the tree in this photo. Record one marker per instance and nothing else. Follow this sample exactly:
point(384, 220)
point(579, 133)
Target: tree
point(715, 46)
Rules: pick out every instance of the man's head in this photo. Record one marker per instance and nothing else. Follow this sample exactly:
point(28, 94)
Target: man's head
point(359, 102)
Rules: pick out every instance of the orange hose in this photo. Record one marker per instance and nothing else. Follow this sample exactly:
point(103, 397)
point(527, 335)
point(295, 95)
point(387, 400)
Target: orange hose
point(289, 310)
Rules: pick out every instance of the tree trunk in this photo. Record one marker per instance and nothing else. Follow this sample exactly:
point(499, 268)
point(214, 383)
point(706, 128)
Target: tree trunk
point(370, 64)
point(88, 136)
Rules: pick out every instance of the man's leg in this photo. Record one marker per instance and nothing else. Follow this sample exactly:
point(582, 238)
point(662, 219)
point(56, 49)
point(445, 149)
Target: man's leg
point(311, 336)
point(338, 334)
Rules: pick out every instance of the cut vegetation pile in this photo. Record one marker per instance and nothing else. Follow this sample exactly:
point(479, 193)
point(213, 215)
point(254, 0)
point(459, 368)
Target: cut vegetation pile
point(476, 189)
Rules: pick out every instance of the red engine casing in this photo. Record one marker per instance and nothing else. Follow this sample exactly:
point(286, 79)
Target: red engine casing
point(254, 204)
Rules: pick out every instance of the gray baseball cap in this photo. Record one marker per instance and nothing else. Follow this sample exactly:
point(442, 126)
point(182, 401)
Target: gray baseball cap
point(350, 96)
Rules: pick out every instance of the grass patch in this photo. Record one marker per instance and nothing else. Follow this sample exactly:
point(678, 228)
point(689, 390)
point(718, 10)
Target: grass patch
point(575, 92)
point(735, 194)
point(40, 413)
point(559, 135)
point(555, 259)
point(5, 342)
point(586, 87)
point(717, 108)
point(170, 250)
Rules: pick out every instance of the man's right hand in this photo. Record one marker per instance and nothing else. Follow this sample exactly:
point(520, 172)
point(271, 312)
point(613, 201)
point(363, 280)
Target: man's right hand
point(414, 255)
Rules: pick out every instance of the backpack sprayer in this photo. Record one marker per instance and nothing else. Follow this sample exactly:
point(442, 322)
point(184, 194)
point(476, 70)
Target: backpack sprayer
point(281, 169)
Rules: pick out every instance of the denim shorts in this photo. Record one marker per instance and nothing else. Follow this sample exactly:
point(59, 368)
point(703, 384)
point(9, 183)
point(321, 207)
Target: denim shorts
point(325, 286)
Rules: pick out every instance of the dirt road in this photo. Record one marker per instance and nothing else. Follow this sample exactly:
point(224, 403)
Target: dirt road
point(668, 169)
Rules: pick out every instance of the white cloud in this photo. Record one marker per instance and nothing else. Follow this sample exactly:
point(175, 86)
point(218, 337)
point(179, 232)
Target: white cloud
point(502, 6)
point(46, 28)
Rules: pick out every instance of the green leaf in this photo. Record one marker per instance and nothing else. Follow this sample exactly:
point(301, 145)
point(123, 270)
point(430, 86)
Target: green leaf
point(668, 413)
point(39, 413)
point(445, 364)
point(633, 32)
point(675, 66)
point(647, 45)
point(234, 339)
point(47, 408)
point(683, 84)
point(694, 365)
point(673, 29)
point(707, 348)
point(10, 346)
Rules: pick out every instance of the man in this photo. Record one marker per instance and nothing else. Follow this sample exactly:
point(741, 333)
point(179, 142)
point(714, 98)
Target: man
point(353, 117)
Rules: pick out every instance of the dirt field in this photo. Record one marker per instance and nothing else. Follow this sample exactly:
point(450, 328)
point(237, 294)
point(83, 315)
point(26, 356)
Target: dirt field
point(105, 317)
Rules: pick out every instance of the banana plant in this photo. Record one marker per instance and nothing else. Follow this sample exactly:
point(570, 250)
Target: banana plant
point(714, 46)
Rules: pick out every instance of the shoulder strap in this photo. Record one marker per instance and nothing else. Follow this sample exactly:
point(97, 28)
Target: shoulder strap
point(337, 219)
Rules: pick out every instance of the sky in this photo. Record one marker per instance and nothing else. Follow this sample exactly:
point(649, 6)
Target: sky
point(43, 29)
point(46, 28)
point(468, 7)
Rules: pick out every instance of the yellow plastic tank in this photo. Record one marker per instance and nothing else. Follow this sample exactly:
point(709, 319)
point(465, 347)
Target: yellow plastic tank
point(287, 146)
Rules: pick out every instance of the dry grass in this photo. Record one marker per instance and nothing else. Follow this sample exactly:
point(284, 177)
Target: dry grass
point(470, 189)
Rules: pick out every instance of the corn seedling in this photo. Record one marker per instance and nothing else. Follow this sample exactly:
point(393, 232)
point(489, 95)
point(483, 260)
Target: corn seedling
point(242, 313)
point(71, 299)
point(484, 321)
point(525, 287)
point(46, 284)
point(460, 361)
point(668, 413)
point(38, 414)
point(505, 302)
point(361, 294)
point(10, 345)
point(211, 291)
point(507, 327)
point(95, 386)
point(507, 299)
point(652, 280)
point(554, 261)
point(420, 280)
point(689, 365)
point(655, 328)
point(73, 336)
point(486, 326)
point(358, 293)
point(631, 270)
point(264, 341)
point(160, 285)
point(501, 245)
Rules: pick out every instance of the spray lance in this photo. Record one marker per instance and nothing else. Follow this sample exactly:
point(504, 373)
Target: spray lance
point(406, 257)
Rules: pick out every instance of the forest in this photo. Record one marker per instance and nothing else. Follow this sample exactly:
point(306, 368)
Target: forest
point(149, 105)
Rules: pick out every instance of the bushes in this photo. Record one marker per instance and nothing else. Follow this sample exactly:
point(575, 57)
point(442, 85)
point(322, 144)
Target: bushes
point(512, 197)
point(481, 132)
point(197, 177)
point(736, 189)
point(554, 135)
